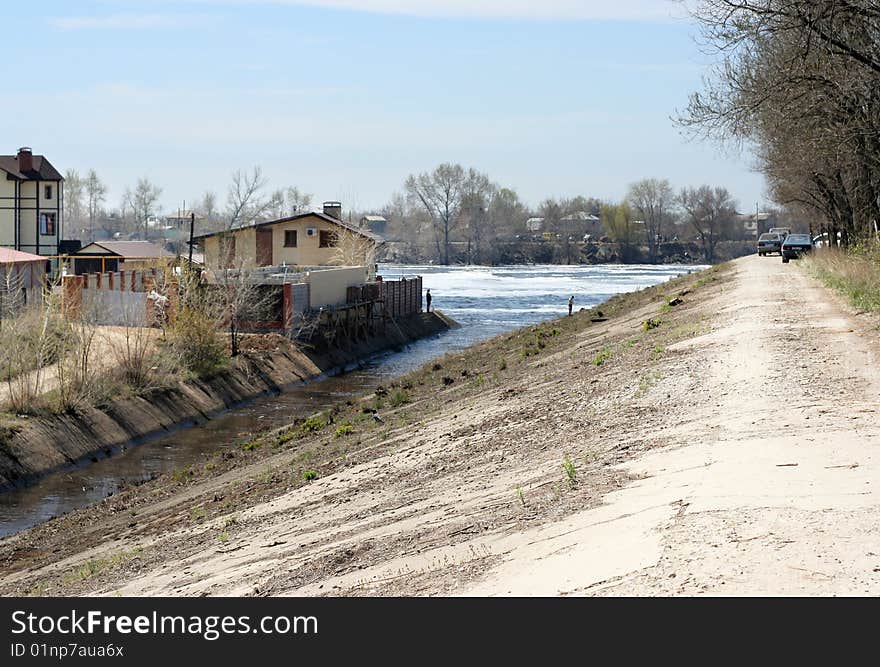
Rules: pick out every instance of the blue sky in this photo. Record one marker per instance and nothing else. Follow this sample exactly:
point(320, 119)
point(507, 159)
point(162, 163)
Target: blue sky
point(345, 98)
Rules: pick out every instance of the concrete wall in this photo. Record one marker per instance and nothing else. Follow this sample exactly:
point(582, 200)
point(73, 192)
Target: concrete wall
point(328, 287)
point(111, 307)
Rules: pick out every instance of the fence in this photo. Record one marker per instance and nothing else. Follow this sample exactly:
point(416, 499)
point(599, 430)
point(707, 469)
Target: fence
point(400, 297)
point(126, 298)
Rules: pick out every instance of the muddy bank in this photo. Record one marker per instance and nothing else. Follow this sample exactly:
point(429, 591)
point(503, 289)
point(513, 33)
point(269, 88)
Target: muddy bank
point(31, 446)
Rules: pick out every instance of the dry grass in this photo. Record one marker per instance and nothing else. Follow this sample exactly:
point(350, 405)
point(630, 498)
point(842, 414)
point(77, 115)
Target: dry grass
point(854, 273)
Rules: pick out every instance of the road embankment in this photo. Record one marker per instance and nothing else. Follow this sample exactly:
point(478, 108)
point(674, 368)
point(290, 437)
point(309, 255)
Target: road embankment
point(33, 445)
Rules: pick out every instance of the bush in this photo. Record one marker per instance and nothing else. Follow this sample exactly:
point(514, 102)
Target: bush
point(343, 430)
point(196, 342)
point(312, 425)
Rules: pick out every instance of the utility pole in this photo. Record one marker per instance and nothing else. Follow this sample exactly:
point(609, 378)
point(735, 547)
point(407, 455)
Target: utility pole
point(192, 225)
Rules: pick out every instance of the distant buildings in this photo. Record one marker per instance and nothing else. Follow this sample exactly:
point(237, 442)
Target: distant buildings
point(755, 224)
point(30, 203)
point(535, 224)
point(580, 223)
point(377, 224)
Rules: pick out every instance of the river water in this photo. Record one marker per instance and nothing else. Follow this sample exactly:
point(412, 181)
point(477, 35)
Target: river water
point(486, 301)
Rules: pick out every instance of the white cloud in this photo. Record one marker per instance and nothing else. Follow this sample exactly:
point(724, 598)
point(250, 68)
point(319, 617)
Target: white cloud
point(542, 10)
point(127, 22)
point(507, 9)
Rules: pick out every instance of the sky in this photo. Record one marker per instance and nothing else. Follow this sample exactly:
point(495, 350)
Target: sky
point(345, 98)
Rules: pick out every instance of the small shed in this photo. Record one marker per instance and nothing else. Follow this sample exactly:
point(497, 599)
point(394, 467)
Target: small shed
point(22, 278)
point(102, 256)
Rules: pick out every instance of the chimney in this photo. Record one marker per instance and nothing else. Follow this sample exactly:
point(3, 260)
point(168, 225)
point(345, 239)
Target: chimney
point(25, 159)
point(333, 209)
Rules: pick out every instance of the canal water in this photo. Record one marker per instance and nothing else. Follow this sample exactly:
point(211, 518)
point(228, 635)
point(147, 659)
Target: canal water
point(486, 301)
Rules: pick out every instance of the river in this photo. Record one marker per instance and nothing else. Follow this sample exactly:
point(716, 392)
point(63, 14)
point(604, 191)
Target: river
point(486, 301)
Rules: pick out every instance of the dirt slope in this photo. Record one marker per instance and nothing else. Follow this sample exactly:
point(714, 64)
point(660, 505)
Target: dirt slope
point(730, 450)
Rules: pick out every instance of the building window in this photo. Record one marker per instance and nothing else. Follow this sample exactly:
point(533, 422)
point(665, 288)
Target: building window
point(47, 191)
point(290, 238)
point(47, 224)
point(327, 240)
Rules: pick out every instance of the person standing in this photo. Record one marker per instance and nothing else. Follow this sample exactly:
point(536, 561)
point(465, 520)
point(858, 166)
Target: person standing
point(428, 300)
point(570, 304)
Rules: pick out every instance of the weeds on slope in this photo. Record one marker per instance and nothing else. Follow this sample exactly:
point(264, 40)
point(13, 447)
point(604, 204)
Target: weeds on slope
point(854, 273)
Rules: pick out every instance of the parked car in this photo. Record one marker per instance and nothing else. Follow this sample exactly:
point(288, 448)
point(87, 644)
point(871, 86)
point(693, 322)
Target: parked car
point(795, 245)
point(768, 243)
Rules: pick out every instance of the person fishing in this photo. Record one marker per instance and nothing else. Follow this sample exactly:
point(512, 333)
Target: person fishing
point(570, 304)
point(428, 300)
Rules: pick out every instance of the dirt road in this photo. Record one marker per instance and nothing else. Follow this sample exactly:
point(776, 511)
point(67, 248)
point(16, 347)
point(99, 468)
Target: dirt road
point(770, 485)
point(733, 449)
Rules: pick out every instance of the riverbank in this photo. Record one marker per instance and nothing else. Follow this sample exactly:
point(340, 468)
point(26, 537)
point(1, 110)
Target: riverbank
point(34, 445)
point(634, 448)
point(536, 250)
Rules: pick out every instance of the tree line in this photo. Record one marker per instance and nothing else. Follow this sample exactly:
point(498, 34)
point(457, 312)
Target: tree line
point(449, 207)
point(454, 205)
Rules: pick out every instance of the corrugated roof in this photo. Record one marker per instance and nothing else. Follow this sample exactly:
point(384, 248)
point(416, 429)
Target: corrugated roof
point(42, 170)
point(323, 216)
point(10, 256)
point(132, 249)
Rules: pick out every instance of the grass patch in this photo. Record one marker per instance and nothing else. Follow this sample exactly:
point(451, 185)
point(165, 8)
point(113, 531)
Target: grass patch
point(602, 356)
point(309, 475)
point(399, 398)
point(570, 470)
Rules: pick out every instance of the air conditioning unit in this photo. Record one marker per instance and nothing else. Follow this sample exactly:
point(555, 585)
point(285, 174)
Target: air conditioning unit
point(311, 231)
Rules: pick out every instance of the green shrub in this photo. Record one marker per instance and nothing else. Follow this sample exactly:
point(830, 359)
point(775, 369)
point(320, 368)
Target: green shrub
point(310, 475)
point(313, 424)
point(343, 430)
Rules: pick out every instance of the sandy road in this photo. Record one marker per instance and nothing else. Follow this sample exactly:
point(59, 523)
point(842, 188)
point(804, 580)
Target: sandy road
point(775, 493)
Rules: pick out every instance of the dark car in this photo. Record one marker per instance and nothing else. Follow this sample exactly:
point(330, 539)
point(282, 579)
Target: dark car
point(768, 243)
point(795, 245)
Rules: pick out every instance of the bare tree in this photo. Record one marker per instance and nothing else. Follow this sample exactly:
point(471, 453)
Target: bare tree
point(207, 208)
point(354, 249)
point(440, 193)
point(95, 193)
point(710, 211)
point(652, 200)
point(73, 200)
point(476, 201)
point(800, 81)
point(238, 297)
point(243, 200)
point(142, 202)
point(297, 200)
